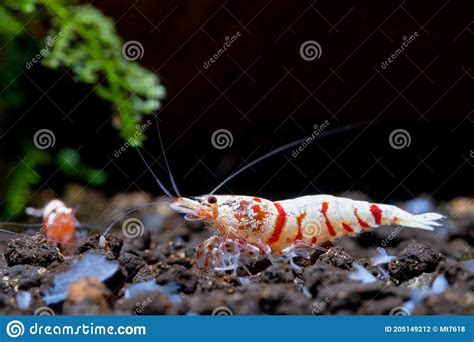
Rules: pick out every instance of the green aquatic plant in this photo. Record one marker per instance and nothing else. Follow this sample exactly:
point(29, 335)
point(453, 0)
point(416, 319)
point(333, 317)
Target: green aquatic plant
point(81, 39)
point(85, 41)
point(69, 161)
point(22, 180)
point(90, 47)
point(26, 175)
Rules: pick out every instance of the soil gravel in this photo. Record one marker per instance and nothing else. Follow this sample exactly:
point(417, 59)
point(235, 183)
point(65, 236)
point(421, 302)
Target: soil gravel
point(154, 273)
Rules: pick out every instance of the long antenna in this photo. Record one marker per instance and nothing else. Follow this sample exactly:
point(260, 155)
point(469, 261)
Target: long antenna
point(173, 183)
point(153, 174)
point(284, 147)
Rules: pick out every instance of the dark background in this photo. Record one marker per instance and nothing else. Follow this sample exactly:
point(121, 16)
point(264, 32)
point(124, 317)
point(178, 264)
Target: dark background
point(427, 90)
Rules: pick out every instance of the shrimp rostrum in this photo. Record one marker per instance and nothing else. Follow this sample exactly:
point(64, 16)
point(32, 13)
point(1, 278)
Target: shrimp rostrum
point(251, 225)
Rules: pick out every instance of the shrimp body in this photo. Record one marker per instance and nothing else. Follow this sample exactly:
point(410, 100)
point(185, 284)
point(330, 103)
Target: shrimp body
point(321, 218)
point(59, 222)
point(305, 220)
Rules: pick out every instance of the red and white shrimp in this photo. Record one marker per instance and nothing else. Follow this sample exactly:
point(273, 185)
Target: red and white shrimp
point(59, 221)
point(257, 225)
point(251, 225)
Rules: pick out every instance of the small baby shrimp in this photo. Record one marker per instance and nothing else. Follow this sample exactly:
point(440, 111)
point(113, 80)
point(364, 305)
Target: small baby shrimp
point(278, 227)
point(59, 221)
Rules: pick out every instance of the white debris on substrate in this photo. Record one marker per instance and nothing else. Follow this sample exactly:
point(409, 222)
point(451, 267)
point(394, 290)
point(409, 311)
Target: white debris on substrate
point(23, 300)
point(382, 258)
point(290, 257)
point(469, 266)
point(245, 281)
point(170, 290)
point(303, 251)
point(440, 284)
point(362, 275)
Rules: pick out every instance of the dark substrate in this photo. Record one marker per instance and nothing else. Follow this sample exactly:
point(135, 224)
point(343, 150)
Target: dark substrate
point(154, 274)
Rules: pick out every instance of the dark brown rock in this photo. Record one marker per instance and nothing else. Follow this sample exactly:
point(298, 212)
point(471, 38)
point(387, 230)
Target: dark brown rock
point(414, 260)
point(181, 276)
point(36, 251)
point(337, 257)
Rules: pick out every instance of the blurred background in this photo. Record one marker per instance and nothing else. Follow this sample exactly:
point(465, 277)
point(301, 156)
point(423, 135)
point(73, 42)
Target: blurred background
point(80, 80)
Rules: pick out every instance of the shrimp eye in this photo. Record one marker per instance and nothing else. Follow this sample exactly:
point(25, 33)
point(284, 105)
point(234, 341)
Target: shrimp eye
point(211, 200)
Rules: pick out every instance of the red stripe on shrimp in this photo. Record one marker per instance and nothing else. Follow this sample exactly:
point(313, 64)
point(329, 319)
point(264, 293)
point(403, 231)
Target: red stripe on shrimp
point(376, 213)
point(299, 220)
point(279, 223)
point(324, 211)
point(361, 222)
point(347, 228)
